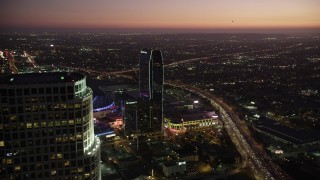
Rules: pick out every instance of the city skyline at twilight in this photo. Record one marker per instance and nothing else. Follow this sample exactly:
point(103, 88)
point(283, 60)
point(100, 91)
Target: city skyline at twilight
point(247, 15)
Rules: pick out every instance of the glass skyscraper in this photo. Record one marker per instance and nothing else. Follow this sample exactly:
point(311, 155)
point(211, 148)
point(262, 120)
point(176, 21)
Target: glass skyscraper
point(156, 88)
point(151, 91)
point(46, 127)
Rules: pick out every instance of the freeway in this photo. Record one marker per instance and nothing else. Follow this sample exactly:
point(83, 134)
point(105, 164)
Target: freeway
point(252, 153)
point(102, 75)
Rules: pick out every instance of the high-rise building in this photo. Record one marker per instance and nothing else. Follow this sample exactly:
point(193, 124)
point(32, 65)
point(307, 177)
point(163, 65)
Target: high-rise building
point(144, 72)
point(151, 91)
point(156, 87)
point(46, 127)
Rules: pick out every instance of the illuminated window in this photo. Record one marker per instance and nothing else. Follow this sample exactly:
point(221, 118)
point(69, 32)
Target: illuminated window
point(34, 100)
point(58, 139)
point(35, 124)
point(51, 124)
point(67, 163)
point(53, 172)
point(17, 168)
point(13, 118)
point(43, 124)
point(58, 123)
point(57, 115)
point(1, 143)
point(65, 139)
point(52, 156)
point(77, 106)
point(79, 137)
point(29, 125)
point(59, 156)
point(72, 139)
point(28, 109)
point(63, 106)
point(42, 107)
point(71, 122)
point(80, 170)
point(78, 121)
point(8, 161)
point(64, 123)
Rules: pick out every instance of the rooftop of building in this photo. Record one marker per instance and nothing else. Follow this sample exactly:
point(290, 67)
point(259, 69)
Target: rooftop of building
point(40, 78)
point(286, 133)
point(217, 150)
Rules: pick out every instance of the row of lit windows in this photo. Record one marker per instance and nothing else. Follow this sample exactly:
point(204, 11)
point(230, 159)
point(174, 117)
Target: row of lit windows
point(58, 168)
point(66, 159)
point(64, 116)
point(44, 108)
point(39, 149)
point(65, 139)
point(89, 164)
point(40, 99)
point(53, 172)
point(15, 129)
point(21, 126)
point(34, 91)
point(32, 100)
point(41, 132)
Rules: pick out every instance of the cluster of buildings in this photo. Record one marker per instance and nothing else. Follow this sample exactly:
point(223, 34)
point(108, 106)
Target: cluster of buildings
point(47, 121)
point(143, 112)
point(50, 122)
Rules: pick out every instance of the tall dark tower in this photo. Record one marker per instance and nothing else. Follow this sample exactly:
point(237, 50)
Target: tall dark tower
point(144, 71)
point(156, 88)
point(151, 90)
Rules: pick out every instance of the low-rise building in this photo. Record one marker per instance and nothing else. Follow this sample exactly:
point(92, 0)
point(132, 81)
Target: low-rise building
point(172, 168)
point(285, 134)
point(190, 119)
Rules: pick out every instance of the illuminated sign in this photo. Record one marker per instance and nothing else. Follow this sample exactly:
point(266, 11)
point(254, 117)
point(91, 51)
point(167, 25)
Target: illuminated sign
point(110, 135)
point(181, 163)
point(133, 102)
point(144, 52)
point(104, 108)
point(278, 151)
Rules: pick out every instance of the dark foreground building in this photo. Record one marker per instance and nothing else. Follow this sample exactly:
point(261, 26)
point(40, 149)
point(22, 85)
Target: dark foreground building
point(46, 127)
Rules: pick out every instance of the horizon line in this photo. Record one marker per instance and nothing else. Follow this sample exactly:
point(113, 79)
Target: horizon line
point(165, 30)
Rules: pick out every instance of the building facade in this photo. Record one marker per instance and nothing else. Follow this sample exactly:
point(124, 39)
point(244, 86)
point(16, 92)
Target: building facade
point(46, 127)
point(156, 86)
point(173, 168)
point(192, 121)
point(150, 112)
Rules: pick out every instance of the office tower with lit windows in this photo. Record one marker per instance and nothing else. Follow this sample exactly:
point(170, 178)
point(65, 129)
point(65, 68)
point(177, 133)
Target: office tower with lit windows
point(46, 127)
point(151, 88)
